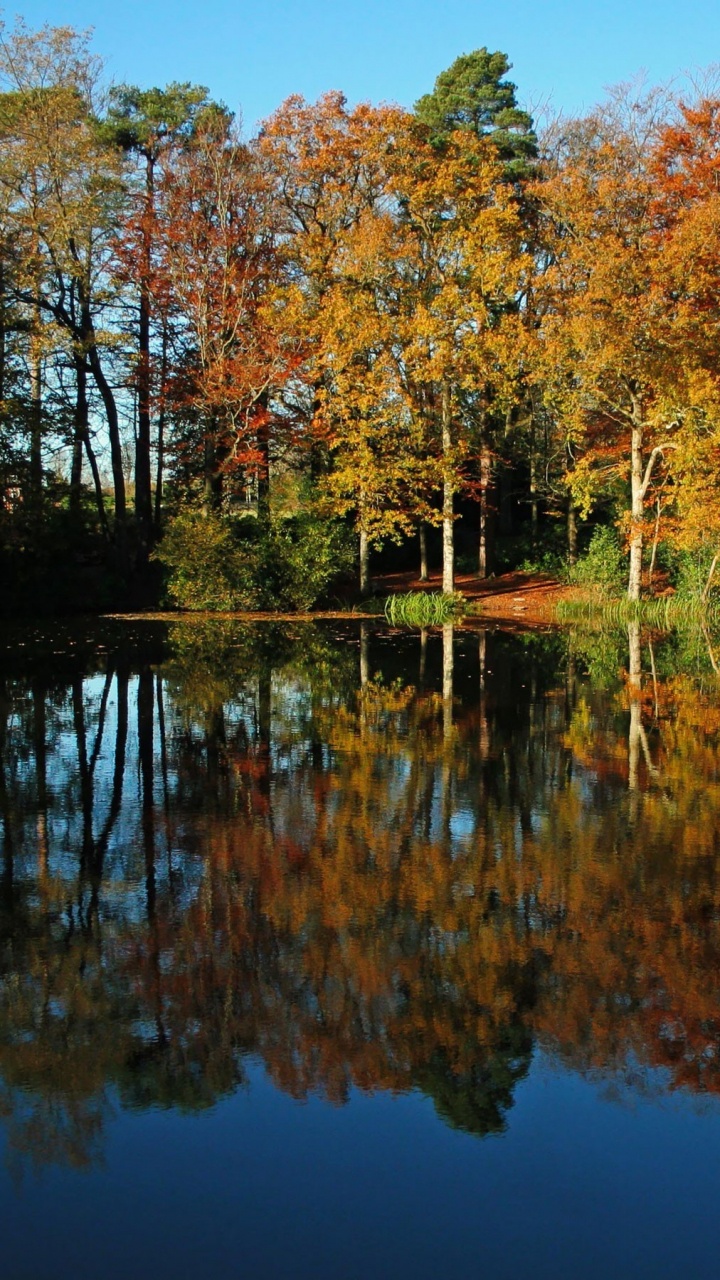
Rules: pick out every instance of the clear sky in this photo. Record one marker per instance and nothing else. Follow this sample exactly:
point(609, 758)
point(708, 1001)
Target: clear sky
point(253, 53)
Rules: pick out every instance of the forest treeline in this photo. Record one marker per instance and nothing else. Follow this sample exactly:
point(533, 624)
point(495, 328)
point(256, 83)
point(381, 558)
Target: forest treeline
point(241, 364)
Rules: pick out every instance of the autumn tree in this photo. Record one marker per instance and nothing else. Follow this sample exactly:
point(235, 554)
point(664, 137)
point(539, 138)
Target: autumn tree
point(62, 190)
point(218, 271)
point(148, 124)
point(607, 338)
point(473, 97)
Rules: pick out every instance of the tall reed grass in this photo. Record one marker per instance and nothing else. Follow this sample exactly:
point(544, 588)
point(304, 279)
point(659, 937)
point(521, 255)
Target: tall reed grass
point(670, 611)
point(422, 609)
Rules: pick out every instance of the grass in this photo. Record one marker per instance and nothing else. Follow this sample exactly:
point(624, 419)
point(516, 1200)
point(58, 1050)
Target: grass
point(423, 609)
point(670, 611)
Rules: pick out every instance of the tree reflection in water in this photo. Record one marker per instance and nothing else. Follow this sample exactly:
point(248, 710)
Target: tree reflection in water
point(324, 851)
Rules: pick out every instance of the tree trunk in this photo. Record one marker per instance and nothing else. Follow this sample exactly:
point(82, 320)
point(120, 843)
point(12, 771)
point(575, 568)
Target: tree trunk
point(448, 513)
point(572, 532)
point(82, 437)
point(364, 563)
point(484, 535)
point(636, 513)
point(422, 534)
point(3, 331)
point(161, 433)
point(533, 495)
point(36, 472)
point(143, 471)
point(116, 460)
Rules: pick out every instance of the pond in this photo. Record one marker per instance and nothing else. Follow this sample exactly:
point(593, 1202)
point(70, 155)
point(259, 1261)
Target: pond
point(336, 952)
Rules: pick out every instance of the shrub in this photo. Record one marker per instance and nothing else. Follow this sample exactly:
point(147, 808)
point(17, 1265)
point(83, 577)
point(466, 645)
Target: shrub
point(301, 558)
point(207, 566)
point(603, 565)
point(217, 562)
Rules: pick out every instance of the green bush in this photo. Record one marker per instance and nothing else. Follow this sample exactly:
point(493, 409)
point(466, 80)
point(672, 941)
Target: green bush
point(691, 574)
point(301, 558)
point(604, 564)
point(217, 562)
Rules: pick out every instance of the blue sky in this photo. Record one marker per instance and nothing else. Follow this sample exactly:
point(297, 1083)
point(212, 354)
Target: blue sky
point(253, 53)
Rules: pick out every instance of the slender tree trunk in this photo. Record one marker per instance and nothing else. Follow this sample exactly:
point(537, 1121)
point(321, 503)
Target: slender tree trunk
point(213, 478)
point(533, 495)
point(448, 512)
point(636, 512)
point(263, 472)
point(422, 534)
point(35, 362)
point(656, 539)
point(161, 432)
point(82, 436)
point(3, 331)
point(364, 563)
point(116, 459)
point(572, 532)
point(79, 429)
point(143, 473)
point(484, 554)
point(143, 470)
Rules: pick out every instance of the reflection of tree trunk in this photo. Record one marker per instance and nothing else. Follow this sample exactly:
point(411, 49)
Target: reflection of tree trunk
point(422, 535)
point(447, 771)
point(164, 769)
point(484, 735)
point(364, 655)
point(634, 690)
point(86, 784)
point(423, 657)
point(145, 728)
point(448, 496)
point(7, 880)
point(121, 729)
point(448, 633)
point(265, 729)
point(101, 720)
point(40, 752)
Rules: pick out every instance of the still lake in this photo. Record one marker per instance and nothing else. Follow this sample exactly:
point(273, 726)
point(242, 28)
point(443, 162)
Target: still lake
point(330, 951)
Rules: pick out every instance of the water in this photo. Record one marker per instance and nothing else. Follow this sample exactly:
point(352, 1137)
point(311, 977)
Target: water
point(327, 951)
